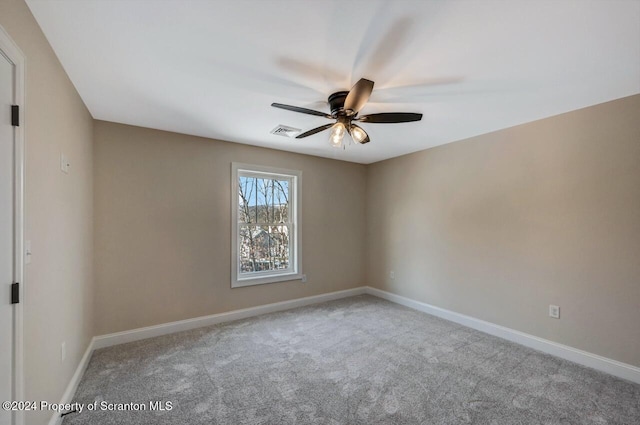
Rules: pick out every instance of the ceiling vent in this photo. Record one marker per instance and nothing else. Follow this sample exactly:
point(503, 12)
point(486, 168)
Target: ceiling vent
point(286, 131)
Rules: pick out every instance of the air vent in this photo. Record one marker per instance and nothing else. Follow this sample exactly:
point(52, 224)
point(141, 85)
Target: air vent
point(286, 131)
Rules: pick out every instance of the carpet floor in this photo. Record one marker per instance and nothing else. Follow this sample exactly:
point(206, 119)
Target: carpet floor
point(360, 360)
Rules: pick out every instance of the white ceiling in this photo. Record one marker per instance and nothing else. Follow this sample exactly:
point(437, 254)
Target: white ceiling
point(212, 68)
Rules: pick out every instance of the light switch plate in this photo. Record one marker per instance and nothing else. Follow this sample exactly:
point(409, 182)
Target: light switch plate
point(27, 252)
point(64, 163)
point(554, 311)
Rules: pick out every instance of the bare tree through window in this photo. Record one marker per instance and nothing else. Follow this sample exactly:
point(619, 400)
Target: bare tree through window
point(263, 223)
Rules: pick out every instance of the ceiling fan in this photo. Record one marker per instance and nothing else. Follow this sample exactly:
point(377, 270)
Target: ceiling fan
point(345, 106)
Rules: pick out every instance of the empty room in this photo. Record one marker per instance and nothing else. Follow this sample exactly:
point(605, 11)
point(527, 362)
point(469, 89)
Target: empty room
point(337, 212)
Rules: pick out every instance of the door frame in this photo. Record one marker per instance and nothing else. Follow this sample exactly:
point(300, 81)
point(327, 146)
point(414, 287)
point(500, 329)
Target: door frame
point(13, 52)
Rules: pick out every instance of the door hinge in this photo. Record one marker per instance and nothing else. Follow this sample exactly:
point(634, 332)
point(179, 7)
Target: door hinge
point(15, 115)
point(15, 293)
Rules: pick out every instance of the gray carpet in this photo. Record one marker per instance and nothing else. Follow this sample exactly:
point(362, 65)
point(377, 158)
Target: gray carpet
point(359, 360)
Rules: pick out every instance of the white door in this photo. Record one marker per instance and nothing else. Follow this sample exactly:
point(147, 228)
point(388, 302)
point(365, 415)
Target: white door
point(7, 240)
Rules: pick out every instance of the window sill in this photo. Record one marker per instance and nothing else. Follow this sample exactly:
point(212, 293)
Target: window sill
point(240, 283)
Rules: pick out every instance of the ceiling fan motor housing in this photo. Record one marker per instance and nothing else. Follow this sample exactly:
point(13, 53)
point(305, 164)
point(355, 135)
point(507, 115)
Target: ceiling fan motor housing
point(336, 103)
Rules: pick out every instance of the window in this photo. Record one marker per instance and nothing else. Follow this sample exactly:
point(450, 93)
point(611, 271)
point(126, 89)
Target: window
point(266, 232)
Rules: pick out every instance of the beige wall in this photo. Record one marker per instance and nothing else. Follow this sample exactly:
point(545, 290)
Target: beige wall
point(163, 235)
point(496, 227)
point(501, 225)
point(58, 283)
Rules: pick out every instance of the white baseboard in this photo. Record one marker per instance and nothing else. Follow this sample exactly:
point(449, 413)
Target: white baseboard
point(198, 322)
point(70, 391)
point(604, 364)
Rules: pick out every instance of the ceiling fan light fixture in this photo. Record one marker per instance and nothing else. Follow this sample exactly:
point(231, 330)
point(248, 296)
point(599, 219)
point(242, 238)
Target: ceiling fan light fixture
point(358, 134)
point(337, 134)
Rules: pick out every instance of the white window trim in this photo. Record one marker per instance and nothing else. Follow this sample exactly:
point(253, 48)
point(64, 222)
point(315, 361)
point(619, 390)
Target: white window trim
point(296, 241)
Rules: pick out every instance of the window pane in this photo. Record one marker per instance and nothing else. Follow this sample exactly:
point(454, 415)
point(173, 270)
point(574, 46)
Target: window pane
point(280, 201)
point(263, 248)
point(247, 190)
point(263, 200)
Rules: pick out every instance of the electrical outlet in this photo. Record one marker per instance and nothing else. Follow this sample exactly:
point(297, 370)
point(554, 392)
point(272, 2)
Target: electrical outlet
point(554, 311)
point(304, 278)
point(392, 274)
point(63, 352)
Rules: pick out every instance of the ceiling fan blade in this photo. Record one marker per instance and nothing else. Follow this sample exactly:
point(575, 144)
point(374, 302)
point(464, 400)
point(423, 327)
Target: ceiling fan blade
point(359, 95)
point(301, 110)
point(314, 131)
point(390, 117)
